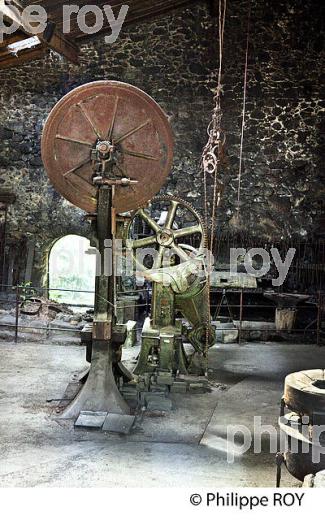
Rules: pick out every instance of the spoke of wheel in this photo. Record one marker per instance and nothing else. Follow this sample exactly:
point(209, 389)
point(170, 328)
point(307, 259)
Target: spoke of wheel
point(131, 132)
point(140, 155)
point(143, 242)
point(86, 116)
point(191, 230)
point(120, 169)
point(77, 186)
point(150, 221)
point(140, 269)
point(159, 259)
point(111, 129)
point(171, 214)
point(182, 255)
point(72, 140)
point(73, 170)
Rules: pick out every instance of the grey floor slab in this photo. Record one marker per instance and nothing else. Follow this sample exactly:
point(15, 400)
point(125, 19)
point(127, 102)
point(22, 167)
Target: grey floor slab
point(36, 450)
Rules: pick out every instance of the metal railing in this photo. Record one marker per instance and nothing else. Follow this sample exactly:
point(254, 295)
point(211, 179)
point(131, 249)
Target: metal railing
point(241, 307)
point(18, 300)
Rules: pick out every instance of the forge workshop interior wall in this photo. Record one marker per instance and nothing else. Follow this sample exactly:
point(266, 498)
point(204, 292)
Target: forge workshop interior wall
point(174, 58)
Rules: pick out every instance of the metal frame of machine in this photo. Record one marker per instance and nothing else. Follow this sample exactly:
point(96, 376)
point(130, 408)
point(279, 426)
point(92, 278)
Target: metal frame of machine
point(179, 284)
point(107, 148)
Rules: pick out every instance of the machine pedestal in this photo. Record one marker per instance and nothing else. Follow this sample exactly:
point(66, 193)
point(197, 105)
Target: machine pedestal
point(99, 393)
point(161, 349)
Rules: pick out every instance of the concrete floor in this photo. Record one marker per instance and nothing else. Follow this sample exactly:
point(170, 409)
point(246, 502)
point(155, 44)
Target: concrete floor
point(186, 448)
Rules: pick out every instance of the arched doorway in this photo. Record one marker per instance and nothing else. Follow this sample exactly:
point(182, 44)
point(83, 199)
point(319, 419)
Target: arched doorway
point(72, 267)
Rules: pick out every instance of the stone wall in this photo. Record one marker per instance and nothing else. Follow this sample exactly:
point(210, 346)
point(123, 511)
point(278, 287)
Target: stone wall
point(174, 59)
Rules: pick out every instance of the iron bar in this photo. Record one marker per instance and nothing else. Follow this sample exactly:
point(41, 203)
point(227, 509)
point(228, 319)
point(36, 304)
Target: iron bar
point(240, 317)
point(4, 247)
point(3, 325)
point(17, 313)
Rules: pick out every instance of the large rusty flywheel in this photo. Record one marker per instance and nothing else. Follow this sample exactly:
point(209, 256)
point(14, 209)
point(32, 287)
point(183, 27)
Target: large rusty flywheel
point(107, 113)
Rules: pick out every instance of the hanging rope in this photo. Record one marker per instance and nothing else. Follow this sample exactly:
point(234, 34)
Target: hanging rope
point(211, 158)
point(240, 172)
point(213, 150)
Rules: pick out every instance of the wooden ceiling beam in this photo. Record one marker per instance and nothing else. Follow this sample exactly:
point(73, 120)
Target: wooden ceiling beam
point(12, 51)
point(12, 38)
point(58, 42)
point(15, 61)
point(52, 36)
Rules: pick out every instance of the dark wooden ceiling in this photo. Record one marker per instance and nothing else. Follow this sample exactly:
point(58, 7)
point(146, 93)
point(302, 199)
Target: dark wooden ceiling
point(67, 44)
point(138, 10)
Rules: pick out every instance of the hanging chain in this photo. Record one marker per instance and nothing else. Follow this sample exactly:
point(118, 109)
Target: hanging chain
point(213, 151)
point(211, 158)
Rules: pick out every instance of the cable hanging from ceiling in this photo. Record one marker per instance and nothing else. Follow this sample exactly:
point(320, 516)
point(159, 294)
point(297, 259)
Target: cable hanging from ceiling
point(213, 151)
point(243, 125)
point(211, 158)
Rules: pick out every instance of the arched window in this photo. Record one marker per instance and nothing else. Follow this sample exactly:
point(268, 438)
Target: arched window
point(72, 267)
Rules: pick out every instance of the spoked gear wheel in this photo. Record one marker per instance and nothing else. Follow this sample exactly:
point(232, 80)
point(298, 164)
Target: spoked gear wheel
point(101, 116)
point(166, 235)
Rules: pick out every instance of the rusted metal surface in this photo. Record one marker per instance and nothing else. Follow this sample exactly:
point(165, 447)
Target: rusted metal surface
point(102, 330)
point(118, 113)
point(304, 392)
point(302, 421)
point(179, 282)
point(168, 235)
